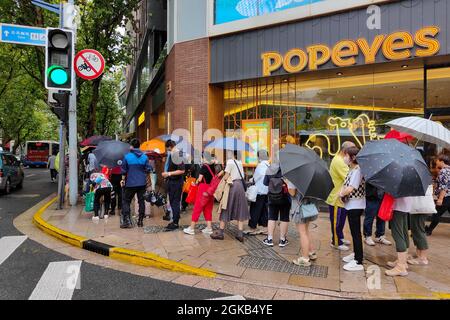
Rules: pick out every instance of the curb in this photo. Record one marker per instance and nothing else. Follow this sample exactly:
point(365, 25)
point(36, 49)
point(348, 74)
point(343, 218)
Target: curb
point(140, 258)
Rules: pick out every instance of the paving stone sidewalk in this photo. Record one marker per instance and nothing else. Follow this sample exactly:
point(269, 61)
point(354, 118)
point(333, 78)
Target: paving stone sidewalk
point(255, 271)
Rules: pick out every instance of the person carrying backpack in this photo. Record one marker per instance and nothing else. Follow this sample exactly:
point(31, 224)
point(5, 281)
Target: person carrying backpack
point(279, 205)
point(135, 168)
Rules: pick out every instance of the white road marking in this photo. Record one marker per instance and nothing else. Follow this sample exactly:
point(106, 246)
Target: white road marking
point(8, 245)
point(58, 282)
point(30, 175)
point(230, 298)
point(19, 196)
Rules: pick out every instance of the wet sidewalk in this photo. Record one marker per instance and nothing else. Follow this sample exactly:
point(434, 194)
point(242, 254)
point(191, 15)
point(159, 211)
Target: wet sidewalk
point(254, 270)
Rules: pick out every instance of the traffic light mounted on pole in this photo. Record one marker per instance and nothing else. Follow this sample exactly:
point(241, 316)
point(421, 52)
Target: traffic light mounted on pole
point(61, 107)
point(59, 59)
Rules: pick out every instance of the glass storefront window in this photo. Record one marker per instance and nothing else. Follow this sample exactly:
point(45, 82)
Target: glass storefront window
point(317, 111)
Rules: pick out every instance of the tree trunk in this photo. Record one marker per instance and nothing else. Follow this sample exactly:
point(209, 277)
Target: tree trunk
point(93, 106)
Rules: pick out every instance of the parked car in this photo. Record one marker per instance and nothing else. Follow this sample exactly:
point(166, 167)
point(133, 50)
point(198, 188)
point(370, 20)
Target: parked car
point(11, 172)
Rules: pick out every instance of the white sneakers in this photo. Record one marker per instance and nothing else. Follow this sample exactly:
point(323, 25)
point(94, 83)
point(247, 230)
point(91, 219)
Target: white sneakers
point(95, 219)
point(105, 216)
point(188, 230)
point(383, 240)
point(207, 231)
point(369, 241)
point(353, 266)
point(191, 232)
point(302, 262)
point(346, 242)
point(312, 256)
point(342, 247)
point(349, 258)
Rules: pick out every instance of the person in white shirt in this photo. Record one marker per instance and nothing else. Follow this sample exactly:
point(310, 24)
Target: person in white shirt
point(52, 167)
point(399, 229)
point(353, 195)
point(258, 209)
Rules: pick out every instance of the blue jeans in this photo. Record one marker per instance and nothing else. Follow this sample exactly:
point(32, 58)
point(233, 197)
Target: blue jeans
point(372, 207)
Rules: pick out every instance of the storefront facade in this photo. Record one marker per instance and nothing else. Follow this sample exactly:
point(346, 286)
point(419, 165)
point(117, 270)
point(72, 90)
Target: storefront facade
point(320, 72)
point(328, 79)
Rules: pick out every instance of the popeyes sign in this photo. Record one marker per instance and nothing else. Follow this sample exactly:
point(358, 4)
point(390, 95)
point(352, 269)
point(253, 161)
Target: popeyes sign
point(396, 46)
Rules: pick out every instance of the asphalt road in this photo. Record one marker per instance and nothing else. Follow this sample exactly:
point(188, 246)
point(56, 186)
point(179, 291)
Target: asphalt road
point(34, 271)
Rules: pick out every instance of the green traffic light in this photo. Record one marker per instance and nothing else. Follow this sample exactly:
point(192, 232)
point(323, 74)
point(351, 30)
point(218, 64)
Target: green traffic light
point(58, 75)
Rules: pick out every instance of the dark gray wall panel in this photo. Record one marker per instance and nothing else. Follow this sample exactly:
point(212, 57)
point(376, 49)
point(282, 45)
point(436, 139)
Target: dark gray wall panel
point(238, 56)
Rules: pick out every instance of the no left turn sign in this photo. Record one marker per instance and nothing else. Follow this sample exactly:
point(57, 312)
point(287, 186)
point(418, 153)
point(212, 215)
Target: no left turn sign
point(89, 64)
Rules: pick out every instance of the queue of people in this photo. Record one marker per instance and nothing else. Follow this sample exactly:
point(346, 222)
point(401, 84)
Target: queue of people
point(278, 202)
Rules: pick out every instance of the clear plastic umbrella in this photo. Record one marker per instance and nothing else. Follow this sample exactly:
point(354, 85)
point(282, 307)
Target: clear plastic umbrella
point(423, 129)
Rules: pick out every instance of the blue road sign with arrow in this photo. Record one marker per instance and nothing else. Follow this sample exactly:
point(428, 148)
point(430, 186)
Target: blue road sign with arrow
point(32, 36)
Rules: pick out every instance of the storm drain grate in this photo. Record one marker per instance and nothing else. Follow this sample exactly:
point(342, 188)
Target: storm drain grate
point(283, 266)
point(265, 253)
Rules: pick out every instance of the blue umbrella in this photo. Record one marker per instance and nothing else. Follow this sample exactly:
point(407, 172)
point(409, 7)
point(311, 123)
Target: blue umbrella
point(232, 144)
point(167, 137)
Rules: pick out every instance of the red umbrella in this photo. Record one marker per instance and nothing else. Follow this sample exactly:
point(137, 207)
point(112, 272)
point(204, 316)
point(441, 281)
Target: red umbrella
point(94, 140)
point(400, 136)
point(152, 155)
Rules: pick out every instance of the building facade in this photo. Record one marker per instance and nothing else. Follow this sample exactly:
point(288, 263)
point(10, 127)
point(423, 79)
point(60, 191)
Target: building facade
point(318, 71)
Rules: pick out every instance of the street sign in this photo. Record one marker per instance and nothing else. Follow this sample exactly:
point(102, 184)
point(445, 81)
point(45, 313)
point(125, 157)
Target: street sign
point(18, 34)
point(89, 64)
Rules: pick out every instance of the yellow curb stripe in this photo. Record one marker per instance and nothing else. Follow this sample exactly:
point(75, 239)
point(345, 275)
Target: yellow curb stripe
point(432, 296)
point(135, 257)
point(153, 260)
point(63, 235)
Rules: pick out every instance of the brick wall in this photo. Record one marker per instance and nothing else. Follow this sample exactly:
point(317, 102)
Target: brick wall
point(187, 68)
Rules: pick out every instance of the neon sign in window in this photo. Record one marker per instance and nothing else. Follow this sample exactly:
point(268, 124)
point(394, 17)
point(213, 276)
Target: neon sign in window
point(232, 10)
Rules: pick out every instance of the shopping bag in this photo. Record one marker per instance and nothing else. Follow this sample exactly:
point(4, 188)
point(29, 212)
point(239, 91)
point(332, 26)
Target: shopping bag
point(386, 211)
point(252, 193)
point(425, 204)
point(192, 194)
point(89, 202)
point(187, 184)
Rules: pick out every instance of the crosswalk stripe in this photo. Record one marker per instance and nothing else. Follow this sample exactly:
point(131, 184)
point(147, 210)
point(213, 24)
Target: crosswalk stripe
point(58, 281)
point(8, 245)
point(229, 298)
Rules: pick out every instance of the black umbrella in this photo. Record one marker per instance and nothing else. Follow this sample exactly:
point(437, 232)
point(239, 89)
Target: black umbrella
point(394, 167)
point(306, 171)
point(111, 153)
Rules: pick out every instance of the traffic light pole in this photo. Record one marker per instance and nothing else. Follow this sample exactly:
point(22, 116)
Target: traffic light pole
point(73, 145)
point(62, 144)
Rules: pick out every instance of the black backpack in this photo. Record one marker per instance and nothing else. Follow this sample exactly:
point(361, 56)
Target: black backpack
point(277, 190)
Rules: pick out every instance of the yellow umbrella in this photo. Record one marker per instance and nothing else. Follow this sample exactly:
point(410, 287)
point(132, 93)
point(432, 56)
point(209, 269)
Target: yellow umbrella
point(155, 145)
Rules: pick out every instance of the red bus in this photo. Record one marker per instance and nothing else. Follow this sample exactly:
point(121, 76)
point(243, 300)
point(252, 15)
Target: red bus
point(37, 152)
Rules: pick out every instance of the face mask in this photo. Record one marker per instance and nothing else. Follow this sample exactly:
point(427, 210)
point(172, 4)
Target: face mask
point(347, 160)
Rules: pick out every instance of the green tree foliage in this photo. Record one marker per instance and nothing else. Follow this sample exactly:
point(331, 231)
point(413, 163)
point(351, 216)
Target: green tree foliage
point(102, 25)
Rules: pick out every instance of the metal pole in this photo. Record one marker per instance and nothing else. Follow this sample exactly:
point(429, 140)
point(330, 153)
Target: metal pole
point(62, 138)
point(62, 166)
point(73, 145)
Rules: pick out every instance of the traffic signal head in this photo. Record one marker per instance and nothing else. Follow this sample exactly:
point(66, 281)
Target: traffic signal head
point(61, 105)
point(59, 59)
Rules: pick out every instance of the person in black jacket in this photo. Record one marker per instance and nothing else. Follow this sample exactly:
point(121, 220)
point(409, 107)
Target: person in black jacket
point(374, 197)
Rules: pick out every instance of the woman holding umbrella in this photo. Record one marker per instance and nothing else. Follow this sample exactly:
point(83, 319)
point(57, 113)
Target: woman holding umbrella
point(237, 207)
point(401, 172)
point(353, 195)
point(308, 253)
point(308, 180)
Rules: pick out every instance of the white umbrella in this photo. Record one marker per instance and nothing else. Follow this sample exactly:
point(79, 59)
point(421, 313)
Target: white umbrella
point(423, 129)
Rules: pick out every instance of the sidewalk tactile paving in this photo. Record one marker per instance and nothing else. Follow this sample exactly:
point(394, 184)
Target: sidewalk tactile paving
point(283, 266)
